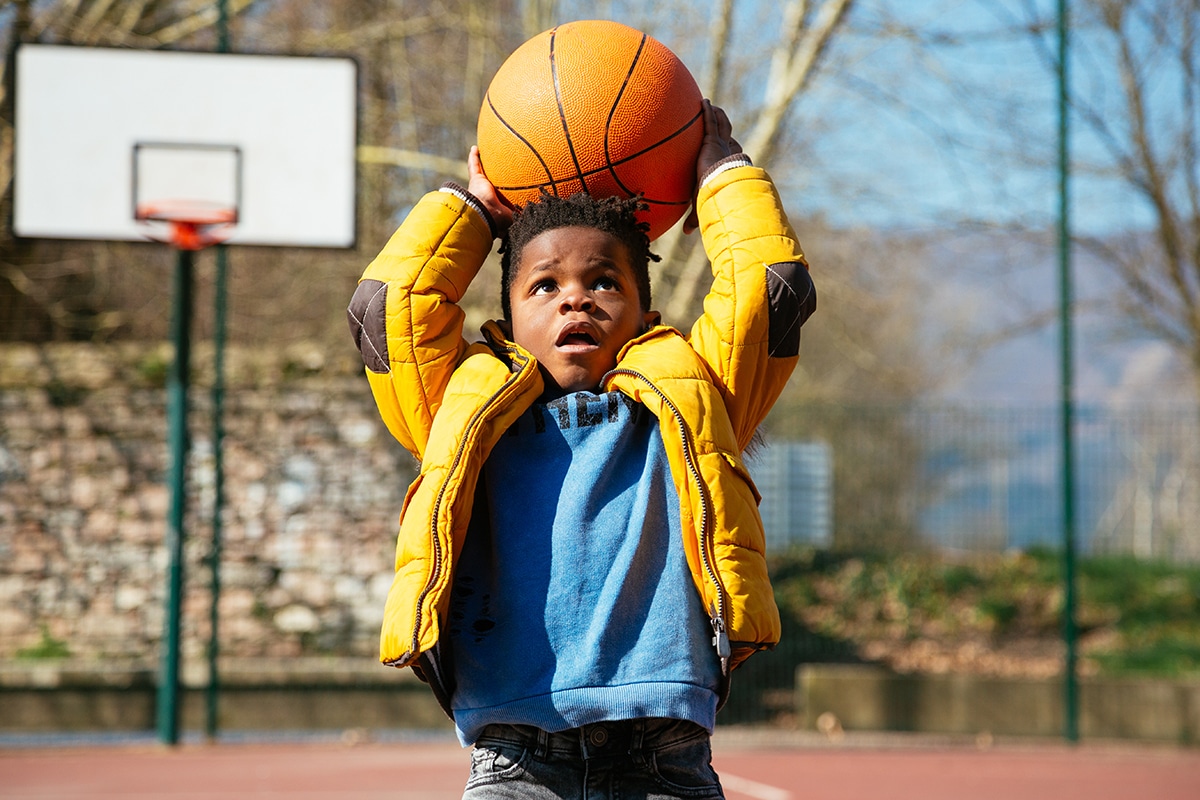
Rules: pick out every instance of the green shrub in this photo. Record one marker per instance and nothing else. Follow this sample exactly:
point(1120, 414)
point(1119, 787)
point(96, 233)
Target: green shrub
point(47, 648)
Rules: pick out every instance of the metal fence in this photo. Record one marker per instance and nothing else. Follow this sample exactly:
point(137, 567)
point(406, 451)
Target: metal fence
point(990, 479)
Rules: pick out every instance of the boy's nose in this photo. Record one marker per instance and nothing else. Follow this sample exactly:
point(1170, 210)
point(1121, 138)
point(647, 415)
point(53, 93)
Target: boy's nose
point(577, 300)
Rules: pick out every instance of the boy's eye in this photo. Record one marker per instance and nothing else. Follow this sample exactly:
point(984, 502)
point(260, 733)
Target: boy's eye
point(607, 284)
point(544, 286)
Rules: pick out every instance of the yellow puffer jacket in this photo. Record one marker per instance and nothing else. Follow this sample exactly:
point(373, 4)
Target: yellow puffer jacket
point(449, 402)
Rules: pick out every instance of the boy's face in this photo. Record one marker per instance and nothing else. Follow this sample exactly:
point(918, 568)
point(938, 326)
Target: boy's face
point(575, 304)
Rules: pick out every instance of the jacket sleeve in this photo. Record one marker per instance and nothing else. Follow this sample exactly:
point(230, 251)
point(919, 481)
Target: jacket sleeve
point(761, 292)
point(404, 315)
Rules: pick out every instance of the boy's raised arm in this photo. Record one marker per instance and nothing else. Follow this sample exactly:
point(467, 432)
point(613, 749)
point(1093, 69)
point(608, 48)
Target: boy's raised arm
point(404, 315)
point(761, 292)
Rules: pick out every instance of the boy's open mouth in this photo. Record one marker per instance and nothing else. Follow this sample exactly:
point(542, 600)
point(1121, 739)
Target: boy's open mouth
point(575, 335)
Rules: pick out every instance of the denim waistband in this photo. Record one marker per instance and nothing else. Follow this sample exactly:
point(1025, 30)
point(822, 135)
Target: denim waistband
point(596, 740)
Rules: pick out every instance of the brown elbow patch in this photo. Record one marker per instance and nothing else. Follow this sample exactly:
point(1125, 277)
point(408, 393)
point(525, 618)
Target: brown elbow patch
point(791, 300)
point(367, 316)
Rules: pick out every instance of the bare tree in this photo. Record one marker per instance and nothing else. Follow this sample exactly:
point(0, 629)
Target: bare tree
point(1149, 138)
point(1135, 120)
point(806, 31)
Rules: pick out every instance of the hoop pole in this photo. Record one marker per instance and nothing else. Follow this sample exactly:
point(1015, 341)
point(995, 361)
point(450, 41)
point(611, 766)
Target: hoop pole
point(222, 26)
point(212, 695)
point(177, 436)
point(218, 434)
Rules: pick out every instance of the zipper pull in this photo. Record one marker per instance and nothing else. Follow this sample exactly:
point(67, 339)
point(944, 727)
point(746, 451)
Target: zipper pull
point(720, 641)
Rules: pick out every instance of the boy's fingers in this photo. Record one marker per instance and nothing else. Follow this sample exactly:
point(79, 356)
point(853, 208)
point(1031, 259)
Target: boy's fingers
point(474, 165)
point(725, 132)
point(719, 129)
point(483, 190)
point(724, 126)
point(692, 222)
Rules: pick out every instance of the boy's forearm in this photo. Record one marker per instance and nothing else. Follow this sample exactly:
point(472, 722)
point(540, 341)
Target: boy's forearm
point(750, 216)
point(761, 292)
point(438, 248)
point(404, 314)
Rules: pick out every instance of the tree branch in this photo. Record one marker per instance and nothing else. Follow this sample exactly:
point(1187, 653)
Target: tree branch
point(795, 68)
point(412, 159)
point(806, 35)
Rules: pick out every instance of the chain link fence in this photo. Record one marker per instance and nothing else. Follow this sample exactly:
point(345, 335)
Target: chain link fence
point(990, 479)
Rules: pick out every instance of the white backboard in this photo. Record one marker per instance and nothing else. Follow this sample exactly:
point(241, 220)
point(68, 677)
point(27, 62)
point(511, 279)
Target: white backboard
point(83, 113)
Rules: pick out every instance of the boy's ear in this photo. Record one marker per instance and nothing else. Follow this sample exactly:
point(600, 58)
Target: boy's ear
point(650, 319)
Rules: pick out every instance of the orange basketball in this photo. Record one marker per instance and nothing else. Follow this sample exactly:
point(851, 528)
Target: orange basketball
point(594, 107)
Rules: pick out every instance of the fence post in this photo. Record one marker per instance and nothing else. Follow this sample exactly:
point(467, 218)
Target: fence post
point(1070, 682)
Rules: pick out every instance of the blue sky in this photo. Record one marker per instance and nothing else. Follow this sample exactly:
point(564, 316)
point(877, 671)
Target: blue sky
point(898, 135)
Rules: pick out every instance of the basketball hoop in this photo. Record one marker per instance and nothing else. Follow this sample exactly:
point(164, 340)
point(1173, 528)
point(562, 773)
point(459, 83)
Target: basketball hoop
point(190, 225)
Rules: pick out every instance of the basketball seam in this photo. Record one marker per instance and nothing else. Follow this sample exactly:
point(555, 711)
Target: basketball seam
point(562, 116)
point(524, 141)
point(555, 181)
point(612, 112)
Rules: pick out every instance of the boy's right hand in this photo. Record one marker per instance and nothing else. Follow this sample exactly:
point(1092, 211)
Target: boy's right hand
point(718, 143)
point(479, 185)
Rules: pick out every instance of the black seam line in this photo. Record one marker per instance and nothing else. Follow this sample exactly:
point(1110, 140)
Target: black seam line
point(562, 115)
point(628, 158)
point(613, 110)
point(523, 141)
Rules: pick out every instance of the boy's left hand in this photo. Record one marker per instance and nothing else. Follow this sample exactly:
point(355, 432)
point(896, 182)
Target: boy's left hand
point(718, 143)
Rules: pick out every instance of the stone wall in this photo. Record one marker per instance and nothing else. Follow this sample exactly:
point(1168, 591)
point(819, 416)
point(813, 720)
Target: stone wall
point(835, 698)
point(313, 487)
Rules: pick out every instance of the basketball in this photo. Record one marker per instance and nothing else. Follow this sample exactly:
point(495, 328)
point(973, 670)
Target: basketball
point(594, 107)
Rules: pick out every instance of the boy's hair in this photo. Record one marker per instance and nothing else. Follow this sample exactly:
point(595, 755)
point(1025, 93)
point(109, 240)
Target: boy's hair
point(613, 215)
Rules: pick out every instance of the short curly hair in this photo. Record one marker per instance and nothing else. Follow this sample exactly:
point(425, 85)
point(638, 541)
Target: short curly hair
point(613, 215)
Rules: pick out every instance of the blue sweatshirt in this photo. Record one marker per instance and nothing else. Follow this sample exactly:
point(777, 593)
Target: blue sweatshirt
point(573, 604)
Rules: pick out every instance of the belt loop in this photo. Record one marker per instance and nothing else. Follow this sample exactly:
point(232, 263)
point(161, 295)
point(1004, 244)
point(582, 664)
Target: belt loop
point(637, 738)
point(542, 751)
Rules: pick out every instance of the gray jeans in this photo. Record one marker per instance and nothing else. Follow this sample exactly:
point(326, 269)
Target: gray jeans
point(642, 759)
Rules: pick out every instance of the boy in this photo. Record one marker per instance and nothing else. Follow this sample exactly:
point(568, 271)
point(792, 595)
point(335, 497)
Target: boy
point(580, 561)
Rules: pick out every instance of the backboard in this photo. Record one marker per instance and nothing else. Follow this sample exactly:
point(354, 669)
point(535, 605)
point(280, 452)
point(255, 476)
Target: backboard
point(105, 136)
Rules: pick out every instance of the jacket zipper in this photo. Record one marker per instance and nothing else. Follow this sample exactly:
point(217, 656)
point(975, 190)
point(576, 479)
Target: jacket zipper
point(720, 638)
point(438, 558)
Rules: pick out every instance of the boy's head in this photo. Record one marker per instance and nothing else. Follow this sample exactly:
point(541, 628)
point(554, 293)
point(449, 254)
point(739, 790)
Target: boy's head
point(575, 285)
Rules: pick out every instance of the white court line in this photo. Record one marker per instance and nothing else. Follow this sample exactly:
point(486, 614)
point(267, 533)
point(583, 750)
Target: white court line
point(759, 791)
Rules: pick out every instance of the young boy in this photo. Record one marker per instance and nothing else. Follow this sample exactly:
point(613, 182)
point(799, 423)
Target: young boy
point(580, 561)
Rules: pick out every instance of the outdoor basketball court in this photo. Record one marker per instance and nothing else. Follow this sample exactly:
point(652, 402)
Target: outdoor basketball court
point(762, 767)
point(260, 150)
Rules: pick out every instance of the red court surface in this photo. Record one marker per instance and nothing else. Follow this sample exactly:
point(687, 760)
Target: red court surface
point(757, 768)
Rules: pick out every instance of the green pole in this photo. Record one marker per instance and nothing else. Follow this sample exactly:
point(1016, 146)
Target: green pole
point(177, 436)
point(218, 434)
point(222, 26)
point(212, 693)
point(1071, 677)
